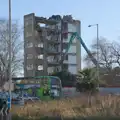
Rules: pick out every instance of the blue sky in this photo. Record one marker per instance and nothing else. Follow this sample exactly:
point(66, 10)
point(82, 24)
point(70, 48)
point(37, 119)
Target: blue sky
point(104, 12)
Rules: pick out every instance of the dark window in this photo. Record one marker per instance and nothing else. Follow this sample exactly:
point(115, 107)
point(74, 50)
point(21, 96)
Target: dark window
point(65, 46)
point(66, 57)
point(65, 35)
point(57, 69)
point(65, 26)
point(39, 73)
point(65, 66)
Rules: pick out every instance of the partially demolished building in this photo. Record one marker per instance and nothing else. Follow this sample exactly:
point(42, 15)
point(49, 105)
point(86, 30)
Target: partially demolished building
point(45, 40)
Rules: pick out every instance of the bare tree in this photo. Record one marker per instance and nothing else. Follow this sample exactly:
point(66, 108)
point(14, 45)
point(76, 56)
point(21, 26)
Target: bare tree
point(106, 59)
point(116, 53)
point(88, 61)
point(17, 45)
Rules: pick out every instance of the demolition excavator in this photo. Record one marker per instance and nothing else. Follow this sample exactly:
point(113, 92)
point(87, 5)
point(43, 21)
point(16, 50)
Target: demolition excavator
point(74, 36)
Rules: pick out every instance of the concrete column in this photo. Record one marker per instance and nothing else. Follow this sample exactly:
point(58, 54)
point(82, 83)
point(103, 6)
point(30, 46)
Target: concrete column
point(29, 31)
point(78, 46)
point(45, 46)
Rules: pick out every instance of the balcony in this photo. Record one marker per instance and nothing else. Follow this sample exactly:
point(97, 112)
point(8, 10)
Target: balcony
point(52, 51)
point(52, 61)
point(50, 64)
point(51, 30)
point(39, 50)
point(39, 61)
point(53, 39)
point(65, 62)
point(54, 42)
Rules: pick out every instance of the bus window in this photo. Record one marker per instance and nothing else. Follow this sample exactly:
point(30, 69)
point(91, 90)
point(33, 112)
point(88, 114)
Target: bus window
point(46, 92)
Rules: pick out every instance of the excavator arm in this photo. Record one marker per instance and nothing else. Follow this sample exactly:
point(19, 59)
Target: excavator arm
point(75, 35)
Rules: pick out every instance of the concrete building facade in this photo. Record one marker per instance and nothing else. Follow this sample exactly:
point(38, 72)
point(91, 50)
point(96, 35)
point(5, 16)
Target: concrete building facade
point(73, 59)
point(44, 43)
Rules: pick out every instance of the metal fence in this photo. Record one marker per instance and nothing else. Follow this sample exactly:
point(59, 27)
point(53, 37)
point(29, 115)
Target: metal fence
point(5, 109)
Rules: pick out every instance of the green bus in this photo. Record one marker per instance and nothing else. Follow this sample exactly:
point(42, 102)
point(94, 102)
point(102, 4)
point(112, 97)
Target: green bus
point(43, 87)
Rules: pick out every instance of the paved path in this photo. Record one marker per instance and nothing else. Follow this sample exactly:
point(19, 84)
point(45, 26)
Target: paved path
point(6, 117)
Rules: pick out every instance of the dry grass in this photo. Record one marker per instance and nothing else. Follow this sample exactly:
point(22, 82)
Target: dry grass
point(76, 107)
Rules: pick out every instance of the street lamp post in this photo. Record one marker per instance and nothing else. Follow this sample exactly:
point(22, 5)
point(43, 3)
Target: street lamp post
point(97, 27)
point(10, 47)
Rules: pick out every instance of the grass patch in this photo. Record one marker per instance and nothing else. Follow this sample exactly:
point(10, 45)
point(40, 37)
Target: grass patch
point(71, 109)
point(59, 118)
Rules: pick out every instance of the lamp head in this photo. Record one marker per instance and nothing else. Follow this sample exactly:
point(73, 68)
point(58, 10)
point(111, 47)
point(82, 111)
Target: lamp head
point(89, 25)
